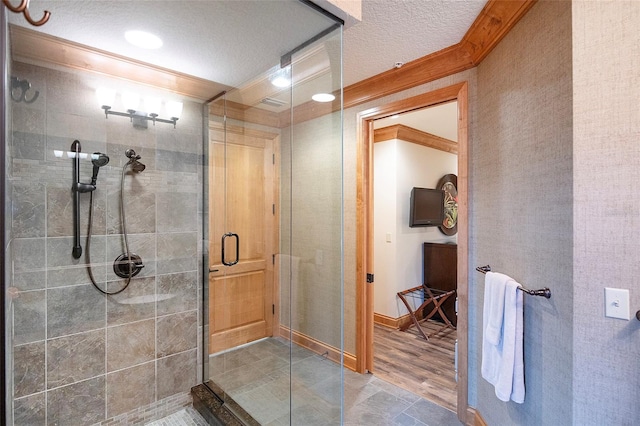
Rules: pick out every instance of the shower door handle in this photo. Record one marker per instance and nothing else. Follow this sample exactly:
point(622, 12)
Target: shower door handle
point(224, 237)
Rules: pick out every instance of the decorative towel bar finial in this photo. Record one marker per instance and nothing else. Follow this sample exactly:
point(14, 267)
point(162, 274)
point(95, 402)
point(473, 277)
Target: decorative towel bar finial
point(545, 292)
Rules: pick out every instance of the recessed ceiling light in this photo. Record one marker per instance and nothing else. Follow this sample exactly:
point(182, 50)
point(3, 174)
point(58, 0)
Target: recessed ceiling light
point(323, 97)
point(281, 78)
point(143, 39)
point(281, 81)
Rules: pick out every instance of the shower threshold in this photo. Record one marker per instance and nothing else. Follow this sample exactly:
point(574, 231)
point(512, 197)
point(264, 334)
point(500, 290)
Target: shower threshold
point(217, 412)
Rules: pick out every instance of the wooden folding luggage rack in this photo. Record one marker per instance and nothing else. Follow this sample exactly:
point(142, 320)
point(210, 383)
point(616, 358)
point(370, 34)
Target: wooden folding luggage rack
point(430, 296)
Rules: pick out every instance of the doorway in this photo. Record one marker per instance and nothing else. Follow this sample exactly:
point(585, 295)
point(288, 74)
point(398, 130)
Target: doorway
point(414, 153)
point(364, 236)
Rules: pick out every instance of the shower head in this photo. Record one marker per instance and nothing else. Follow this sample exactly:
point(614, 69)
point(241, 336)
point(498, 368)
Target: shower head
point(137, 166)
point(130, 153)
point(98, 159)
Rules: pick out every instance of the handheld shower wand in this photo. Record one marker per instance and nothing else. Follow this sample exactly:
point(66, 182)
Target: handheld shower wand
point(98, 160)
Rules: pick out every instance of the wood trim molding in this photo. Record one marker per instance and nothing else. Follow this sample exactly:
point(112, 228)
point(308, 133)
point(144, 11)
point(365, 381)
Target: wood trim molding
point(391, 322)
point(215, 126)
point(493, 23)
point(244, 113)
point(478, 420)
point(35, 47)
point(432, 67)
point(409, 134)
point(318, 347)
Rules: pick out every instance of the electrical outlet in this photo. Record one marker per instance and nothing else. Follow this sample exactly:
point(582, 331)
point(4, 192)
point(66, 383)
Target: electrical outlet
point(616, 303)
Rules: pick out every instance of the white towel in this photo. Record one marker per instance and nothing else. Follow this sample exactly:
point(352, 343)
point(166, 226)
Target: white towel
point(517, 391)
point(495, 285)
point(502, 363)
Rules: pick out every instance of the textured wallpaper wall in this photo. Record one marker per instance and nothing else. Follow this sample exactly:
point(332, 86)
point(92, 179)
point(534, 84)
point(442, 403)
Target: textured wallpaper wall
point(311, 228)
point(606, 64)
point(521, 180)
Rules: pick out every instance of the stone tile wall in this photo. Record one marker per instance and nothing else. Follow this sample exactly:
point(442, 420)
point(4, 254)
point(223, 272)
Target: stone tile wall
point(81, 357)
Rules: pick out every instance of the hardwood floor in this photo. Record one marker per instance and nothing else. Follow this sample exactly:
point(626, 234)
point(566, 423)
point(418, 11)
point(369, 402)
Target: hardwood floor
point(425, 368)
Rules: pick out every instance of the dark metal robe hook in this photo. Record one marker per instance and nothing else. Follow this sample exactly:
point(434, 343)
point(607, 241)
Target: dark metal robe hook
point(24, 86)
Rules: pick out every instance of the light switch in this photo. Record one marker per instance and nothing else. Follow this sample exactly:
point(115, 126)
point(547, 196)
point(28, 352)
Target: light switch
point(388, 237)
point(616, 303)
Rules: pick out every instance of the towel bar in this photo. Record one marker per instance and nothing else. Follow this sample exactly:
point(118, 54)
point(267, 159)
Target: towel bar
point(545, 292)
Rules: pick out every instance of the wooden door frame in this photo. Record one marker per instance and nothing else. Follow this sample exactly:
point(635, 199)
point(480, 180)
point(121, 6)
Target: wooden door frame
point(364, 228)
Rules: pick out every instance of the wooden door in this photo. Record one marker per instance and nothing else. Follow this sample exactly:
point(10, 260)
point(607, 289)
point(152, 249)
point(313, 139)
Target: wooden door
point(242, 190)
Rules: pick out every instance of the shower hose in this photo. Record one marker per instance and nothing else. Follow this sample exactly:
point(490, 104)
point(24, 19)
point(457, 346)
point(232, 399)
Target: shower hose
point(126, 241)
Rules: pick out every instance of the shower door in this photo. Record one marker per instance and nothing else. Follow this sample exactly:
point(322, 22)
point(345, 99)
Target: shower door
point(242, 242)
point(274, 287)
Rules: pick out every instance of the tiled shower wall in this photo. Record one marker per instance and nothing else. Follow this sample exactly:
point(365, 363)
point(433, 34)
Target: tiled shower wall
point(81, 357)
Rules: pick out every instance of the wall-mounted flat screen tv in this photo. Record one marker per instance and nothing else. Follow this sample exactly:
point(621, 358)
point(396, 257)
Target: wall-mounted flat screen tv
point(427, 207)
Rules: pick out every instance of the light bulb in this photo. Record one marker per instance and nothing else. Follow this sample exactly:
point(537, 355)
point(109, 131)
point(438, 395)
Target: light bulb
point(105, 96)
point(174, 109)
point(130, 101)
point(152, 105)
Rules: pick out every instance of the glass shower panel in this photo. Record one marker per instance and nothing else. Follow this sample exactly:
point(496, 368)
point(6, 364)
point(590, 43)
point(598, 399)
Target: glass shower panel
point(312, 147)
point(6, 376)
point(247, 361)
point(275, 282)
point(224, 199)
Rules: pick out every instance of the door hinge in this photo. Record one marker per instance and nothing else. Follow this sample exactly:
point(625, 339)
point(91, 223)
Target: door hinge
point(273, 159)
point(369, 278)
point(273, 259)
point(273, 209)
point(273, 309)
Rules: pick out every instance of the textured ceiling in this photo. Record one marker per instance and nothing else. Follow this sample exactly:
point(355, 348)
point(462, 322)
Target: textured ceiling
point(403, 30)
point(230, 42)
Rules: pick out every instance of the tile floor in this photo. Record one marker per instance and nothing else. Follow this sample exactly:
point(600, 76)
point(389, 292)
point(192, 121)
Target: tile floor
point(185, 417)
point(307, 391)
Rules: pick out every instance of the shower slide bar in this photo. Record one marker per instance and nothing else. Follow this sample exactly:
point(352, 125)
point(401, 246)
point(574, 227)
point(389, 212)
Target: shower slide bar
point(545, 292)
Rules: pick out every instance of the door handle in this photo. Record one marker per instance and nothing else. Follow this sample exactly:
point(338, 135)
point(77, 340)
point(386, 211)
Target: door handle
point(224, 237)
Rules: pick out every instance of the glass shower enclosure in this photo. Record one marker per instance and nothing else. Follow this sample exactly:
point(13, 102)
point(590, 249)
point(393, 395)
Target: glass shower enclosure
point(275, 238)
point(165, 229)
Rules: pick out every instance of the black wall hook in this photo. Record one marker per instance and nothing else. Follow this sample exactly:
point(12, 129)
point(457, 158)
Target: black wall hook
point(19, 89)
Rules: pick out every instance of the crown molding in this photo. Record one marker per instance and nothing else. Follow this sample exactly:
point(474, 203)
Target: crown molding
point(409, 134)
point(494, 21)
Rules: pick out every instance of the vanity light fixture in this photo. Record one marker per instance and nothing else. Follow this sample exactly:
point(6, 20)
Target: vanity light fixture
point(132, 103)
point(323, 97)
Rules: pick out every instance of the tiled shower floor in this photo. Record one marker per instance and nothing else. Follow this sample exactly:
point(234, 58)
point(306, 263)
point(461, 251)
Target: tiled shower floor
point(306, 391)
point(186, 417)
